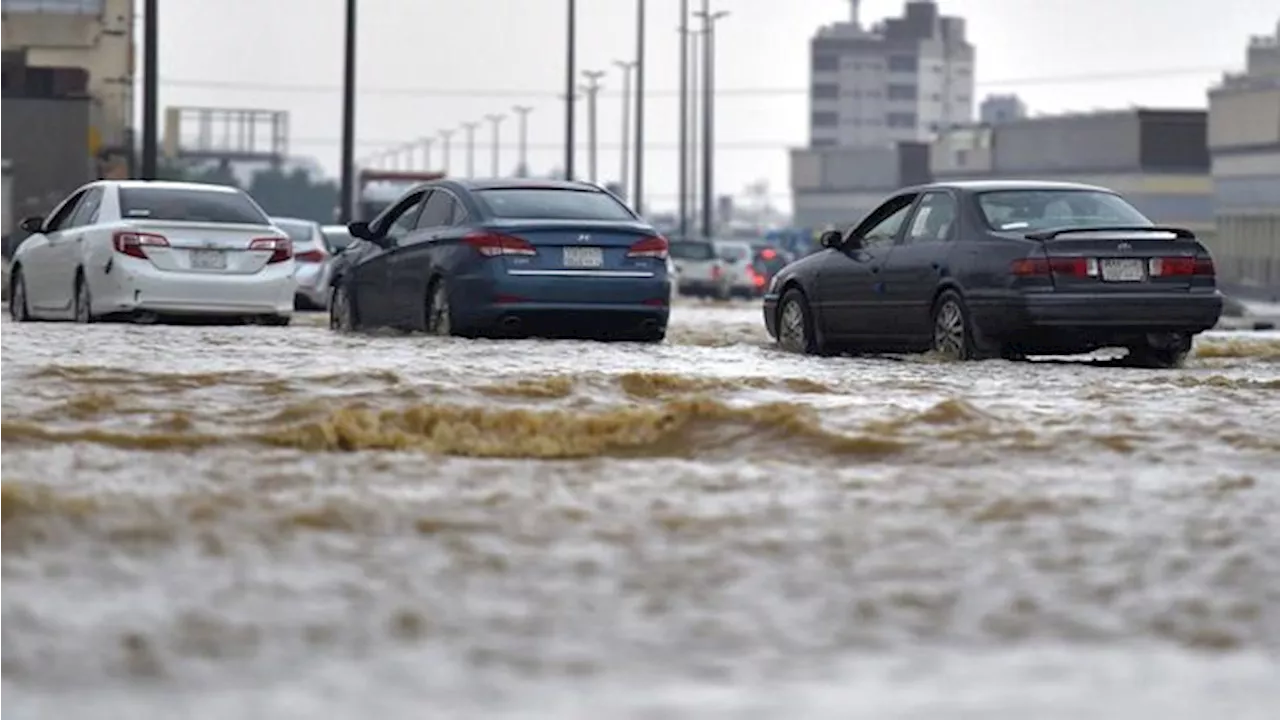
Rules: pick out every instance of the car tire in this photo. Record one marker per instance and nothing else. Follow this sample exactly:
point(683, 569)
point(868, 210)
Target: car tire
point(19, 310)
point(954, 334)
point(1160, 356)
point(439, 313)
point(342, 316)
point(83, 301)
point(796, 332)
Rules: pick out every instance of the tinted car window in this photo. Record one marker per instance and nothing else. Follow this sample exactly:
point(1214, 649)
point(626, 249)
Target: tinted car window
point(438, 210)
point(933, 219)
point(87, 210)
point(1041, 209)
point(553, 204)
point(185, 204)
point(685, 250)
point(301, 233)
point(733, 253)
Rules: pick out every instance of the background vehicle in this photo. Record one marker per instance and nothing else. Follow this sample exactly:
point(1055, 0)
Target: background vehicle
point(737, 258)
point(699, 271)
point(336, 237)
point(313, 260)
point(505, 257)
point(985, 269)
point(767, 261)
point(153, 248)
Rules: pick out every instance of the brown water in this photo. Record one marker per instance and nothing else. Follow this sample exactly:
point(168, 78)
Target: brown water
point(287, 523)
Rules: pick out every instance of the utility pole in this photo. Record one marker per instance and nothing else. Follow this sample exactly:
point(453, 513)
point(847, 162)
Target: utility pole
point(592, 89)
point(495, 120)
point(708, 114)
point(695, 129)
point(638, 188)
point(426, 152)
point(446, 136)
point(346, 212)
point(624, 178)
point(570, 78)
point(683, 190)
point(470, 128)
point(522, 118)
point(150, 90)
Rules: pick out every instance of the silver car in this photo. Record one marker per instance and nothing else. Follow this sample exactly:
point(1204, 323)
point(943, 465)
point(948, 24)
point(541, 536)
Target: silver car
point(313, 258)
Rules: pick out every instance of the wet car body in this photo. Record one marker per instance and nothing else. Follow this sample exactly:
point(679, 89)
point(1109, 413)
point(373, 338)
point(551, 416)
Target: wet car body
point(1000, 268)
point(505, 258)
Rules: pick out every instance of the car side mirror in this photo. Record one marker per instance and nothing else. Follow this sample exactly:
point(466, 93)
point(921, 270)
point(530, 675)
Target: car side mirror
point(33, 224)
point(830, 239)
point(360, 229)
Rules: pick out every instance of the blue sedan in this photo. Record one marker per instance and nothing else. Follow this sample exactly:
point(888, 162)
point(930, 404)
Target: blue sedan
point(509, 258)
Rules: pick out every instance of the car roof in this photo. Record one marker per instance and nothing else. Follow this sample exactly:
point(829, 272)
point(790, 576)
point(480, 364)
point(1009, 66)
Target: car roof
point(515, 183)
point(335, 228)
point(991, 185)
point(171, 185)
point(304, 221)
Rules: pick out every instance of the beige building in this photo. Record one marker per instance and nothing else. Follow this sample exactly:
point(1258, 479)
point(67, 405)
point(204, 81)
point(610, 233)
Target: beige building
point(94, 35)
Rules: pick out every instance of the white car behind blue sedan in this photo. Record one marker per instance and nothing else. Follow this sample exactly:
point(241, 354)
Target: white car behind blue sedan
point(146, 249)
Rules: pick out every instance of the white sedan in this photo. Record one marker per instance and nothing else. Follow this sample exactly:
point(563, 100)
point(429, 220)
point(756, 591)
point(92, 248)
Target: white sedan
point(145, 249)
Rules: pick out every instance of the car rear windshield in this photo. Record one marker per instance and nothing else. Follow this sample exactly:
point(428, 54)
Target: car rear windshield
point(189, 205)
point(1042, 209)
point(688, 250)
point(734, 252)
point(301, 233)
point(553, 204)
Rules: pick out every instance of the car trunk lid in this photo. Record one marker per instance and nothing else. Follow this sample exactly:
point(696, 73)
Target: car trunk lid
point(206, 248)
point(1121, 258)
point(575, 247)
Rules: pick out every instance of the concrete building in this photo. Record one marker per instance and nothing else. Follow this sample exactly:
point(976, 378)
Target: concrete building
point(836, 187)
point(93, 35)
point(1157, 158)
point(1244, 140)
point(997, 109)
point(902, 80)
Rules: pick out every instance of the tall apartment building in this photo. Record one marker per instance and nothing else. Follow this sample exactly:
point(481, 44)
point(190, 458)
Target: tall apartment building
point(1244, 142)
point(899, 81)
point(95, 36)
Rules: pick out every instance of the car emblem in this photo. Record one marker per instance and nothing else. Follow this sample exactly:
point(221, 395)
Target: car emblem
point(1124, 246)
point(584, 238)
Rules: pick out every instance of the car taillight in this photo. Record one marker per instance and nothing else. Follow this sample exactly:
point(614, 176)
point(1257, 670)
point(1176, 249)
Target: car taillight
point(131, 243)
point(768, 254)
point(495, 244)
point(1204, 266)
point(650, 247)
point(311, 256)
point(1180, 266)
point(716, 272)
point(1044, 267)
point(281, 248)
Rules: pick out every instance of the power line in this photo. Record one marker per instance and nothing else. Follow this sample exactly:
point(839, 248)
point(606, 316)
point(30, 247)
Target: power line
point(507, 93)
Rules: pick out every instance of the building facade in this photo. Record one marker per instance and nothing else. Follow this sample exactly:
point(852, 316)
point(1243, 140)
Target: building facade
point(836, 187)
point(1244, 140)
point(95, 36)
point(997, 109)
point(1158, 159)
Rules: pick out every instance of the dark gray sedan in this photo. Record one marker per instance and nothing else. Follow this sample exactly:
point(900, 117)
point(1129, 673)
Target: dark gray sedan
point(1008, 269)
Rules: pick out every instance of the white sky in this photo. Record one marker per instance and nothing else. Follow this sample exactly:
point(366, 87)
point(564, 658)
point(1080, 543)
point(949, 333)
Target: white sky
point(487, 55)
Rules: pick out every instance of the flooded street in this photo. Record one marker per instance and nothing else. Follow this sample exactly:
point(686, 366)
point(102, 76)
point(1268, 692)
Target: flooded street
point(217, 522)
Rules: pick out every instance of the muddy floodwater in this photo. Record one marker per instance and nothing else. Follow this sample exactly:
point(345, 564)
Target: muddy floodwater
point(257, 522)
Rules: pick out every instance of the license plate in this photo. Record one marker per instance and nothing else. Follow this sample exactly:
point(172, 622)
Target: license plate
point(208, 260)
point(583, 257)
point(1123, 270)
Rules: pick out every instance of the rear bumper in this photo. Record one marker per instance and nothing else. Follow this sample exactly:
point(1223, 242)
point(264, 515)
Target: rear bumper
point(136, 285)
point(1189, 312)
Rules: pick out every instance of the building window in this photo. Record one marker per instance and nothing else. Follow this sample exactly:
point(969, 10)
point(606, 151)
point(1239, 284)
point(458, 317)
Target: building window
point(824, 119)
point(826, 62)
point(823, 142)
point(962, 158)
point(903, 63)
point(962, 99)
point(825, 91)
point(900, 120)
point(901, 92)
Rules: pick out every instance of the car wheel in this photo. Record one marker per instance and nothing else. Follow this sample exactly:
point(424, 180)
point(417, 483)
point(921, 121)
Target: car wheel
point(341, 314)
point(439, 313)
point(953, 333)
point(1160, 352)
point(84, 301)
point(18, 309)
point(795, 324)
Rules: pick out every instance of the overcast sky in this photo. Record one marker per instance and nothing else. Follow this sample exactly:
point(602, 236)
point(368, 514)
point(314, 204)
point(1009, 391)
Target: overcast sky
point(427, 65)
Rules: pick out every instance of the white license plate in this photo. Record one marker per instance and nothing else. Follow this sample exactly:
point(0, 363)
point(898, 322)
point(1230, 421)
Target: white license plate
point(208, 260)
point(583, 257)
point(1123, 270)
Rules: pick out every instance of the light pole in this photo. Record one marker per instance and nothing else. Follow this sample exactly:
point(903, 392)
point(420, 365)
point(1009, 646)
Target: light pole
point(346, 209)
point(683, 190)
point(426, 144)
point(522, 118)
point(592, 89)
point(446, 136)
point(150, 90)
point(708, 113)
point(470, 128)
point(638, 188)
point(624, 175)
point(570, 78)
point(495, 120)
point(691, 180)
